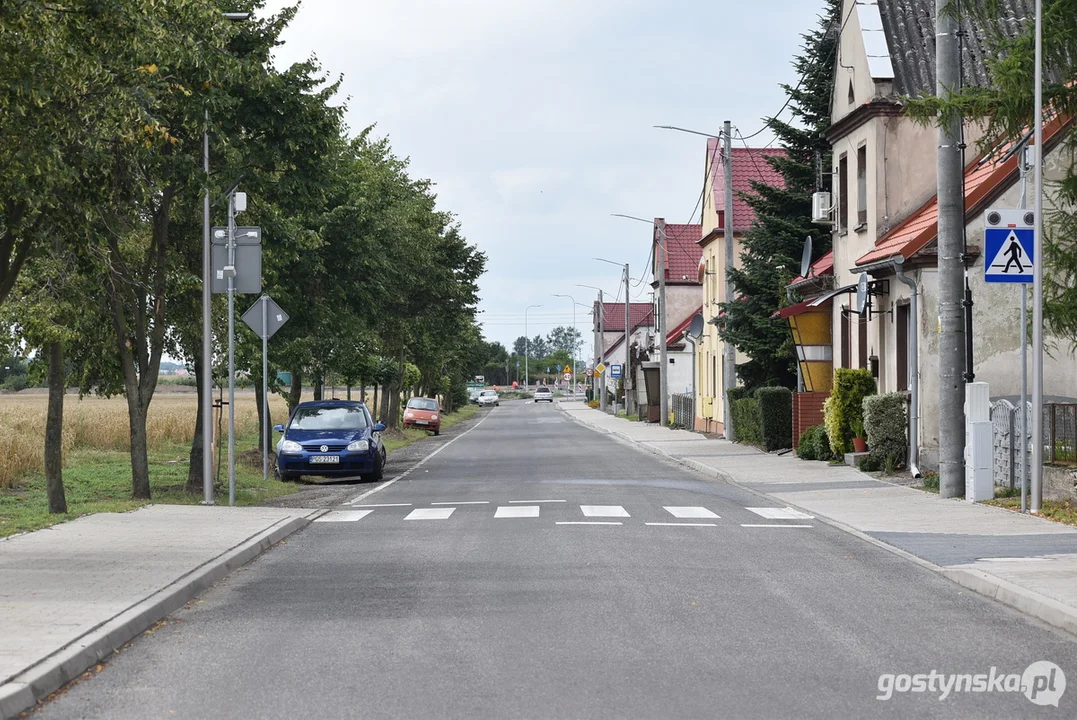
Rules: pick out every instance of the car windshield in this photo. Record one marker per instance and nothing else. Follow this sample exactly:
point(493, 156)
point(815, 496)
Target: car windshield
point(422, 404)
point(543, 390)
point(489, 393)
point(329, 418)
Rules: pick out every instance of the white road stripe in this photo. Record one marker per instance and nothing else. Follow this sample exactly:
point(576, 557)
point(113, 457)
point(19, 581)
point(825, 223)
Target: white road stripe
point(430, 514)
point(604, 511)
point(684, 524)
point(343, 516)
point(385, 505)
point(417, 465)
point(531, 502)
point(690, 512)
point(585, 522)
point(785, 513)
point(776, 525)
point(517, 511)
point(469, 502)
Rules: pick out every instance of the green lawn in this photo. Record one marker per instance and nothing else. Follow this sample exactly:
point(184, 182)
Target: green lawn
point(402, 438)
point(1063, 511)
point(100, 481)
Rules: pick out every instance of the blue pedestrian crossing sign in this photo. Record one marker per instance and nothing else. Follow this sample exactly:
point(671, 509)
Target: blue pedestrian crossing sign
point(1009, 246)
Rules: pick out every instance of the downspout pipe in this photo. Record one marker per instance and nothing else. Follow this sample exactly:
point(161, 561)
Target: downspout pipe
point(914, 367)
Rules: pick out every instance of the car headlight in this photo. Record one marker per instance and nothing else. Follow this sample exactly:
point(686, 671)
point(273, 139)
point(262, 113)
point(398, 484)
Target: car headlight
point(290, 446)
point(361, 446)
point(409, 415)
point(433, 417)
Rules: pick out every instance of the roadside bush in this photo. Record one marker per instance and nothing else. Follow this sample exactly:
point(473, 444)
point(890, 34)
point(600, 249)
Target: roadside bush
point(814, 444)
point(14, 383)
point(776, 414)
point(593, 404)
point(870, 464)
point(886, 427)
point(846, 404)
point(747, 420)
point(737, 392)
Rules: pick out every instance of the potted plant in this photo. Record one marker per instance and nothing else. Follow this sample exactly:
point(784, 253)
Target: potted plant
point(860, 443)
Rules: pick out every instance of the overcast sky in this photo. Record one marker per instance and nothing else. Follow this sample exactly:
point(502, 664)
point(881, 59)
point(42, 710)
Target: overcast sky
point(534, 119)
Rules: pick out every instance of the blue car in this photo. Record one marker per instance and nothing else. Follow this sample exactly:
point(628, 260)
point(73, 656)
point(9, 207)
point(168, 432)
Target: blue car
point(330, 438)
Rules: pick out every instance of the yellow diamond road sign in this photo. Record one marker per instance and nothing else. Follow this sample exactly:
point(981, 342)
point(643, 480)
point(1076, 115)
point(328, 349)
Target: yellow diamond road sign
point(600, 369)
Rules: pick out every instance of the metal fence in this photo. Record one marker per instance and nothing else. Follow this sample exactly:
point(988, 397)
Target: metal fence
point(683, 410)
point(1060, 431)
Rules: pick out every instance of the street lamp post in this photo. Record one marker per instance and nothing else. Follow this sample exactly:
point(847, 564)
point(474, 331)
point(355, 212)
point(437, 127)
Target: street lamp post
point(600, 343)
point(663, 362)
point(572, 385)
point(626, 370)
point(527, 347)
point(729, 353)
point(207, 305)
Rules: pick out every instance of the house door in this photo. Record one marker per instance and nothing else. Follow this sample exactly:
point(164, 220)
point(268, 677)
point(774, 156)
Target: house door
point(845, 340)
point(863, 350)
point(902, 347)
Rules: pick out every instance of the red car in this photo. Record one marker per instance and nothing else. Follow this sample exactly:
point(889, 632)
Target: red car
point(423, 414)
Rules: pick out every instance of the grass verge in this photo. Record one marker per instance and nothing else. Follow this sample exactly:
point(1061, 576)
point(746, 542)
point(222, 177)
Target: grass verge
point(625, 416)
point(1063, 511)
point(396, 439)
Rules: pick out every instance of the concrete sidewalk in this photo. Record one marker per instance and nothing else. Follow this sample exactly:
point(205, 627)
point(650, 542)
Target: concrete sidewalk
point(73, 593)
point(1024, 561)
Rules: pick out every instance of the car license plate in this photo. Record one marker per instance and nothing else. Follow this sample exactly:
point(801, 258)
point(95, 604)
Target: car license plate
point(421, 422)
point(324, 459)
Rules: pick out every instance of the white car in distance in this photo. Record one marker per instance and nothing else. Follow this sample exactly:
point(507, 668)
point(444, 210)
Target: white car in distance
point(488, 397)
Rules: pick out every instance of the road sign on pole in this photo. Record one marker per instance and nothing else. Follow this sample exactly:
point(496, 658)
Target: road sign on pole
point(265, 318)
point(600, 369)
point(1009, 246)
point(615, 371)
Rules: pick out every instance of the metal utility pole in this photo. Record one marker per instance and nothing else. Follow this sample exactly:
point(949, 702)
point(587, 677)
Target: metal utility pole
point(1037, 279)
point(230, 272)
point(1023, 156)
point(572, 384)
point(626, 371)
point(527, 346)
point(207, 335)
point(729, 360)
point(207, 328)
point(951, 263)
point(265, 388)
point(602, 346)
point(663, 375)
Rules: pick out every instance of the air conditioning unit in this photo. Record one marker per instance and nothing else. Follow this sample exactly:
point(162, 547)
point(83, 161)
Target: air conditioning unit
point(820, 207)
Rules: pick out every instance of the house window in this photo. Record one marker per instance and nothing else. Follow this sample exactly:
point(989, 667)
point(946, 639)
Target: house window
point(863, 349)
point(845, 338)
point(902, 347)
point(861, 186)
point(843, 194)
point(714, 375)
point(852, 97)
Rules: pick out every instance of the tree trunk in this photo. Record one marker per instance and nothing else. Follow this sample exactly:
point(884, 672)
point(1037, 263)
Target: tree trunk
point(362, 391)
point(54, 431)
point(383, 409)
point(140, 459)
point(349, 392)
point(194, 469)
point(318, 384)
point(295, 394)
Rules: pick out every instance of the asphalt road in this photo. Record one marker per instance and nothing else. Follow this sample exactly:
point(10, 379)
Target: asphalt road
point(472, 590)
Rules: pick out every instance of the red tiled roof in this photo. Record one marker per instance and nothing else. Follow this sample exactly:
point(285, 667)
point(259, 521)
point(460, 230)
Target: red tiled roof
point(748, 164)
point(683, 252)
point(982, 184)
point(614, 315)
point(823, 266)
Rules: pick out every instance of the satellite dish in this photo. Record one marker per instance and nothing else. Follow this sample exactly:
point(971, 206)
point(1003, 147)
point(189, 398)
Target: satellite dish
point(805, 258)
point(862, 293)
point(696, 328)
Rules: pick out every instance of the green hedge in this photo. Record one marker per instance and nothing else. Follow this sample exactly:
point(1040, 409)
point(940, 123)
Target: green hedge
point(886, 427)
point(846, 405)
point(738, 392)
point(814, 444)
point(776, 411)
point(747, 420)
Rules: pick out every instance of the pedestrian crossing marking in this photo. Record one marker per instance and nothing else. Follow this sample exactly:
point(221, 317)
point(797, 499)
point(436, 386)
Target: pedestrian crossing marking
point(343, 516)
point(690, 513)
point(430, 514)
point(588, 522)
point(517, 511)
point(682, 524)
point(786, 513)
point(604, 511)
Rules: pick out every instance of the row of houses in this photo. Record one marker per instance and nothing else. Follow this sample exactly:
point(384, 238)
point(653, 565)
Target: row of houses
point(883, 223)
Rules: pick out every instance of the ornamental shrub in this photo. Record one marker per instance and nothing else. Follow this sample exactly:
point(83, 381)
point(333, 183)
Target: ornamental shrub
point(806, 444)
point(776, 415)
point(747, 421)
point(886, 427)
point(846, 403)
